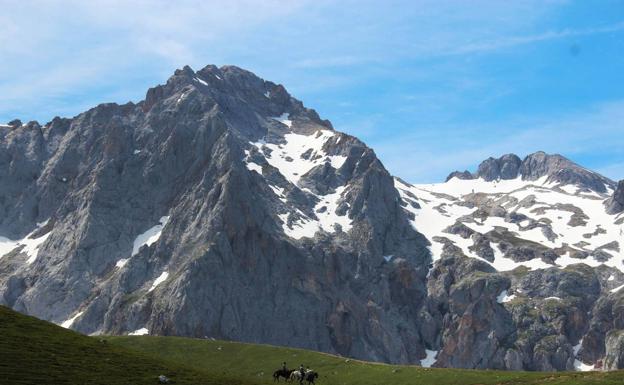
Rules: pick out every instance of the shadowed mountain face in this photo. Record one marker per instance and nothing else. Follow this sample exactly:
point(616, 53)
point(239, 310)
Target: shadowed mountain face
point(221, 207)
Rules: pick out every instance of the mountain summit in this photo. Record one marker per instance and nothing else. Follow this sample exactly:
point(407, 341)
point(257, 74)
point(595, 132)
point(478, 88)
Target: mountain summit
point(555, 168)
point(220, 206)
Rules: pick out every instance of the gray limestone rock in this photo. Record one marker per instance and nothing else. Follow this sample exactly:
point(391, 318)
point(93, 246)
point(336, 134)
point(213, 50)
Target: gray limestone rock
point(615, 204)
point(614, 356)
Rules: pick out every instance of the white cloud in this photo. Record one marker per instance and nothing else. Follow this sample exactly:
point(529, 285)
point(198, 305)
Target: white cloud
point(512, 41)
point(428, 155)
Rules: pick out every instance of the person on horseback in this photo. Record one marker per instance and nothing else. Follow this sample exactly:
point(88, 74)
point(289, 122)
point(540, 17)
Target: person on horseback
point(302, 372)
point(284, 368)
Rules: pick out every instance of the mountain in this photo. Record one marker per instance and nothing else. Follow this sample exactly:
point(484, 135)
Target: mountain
point(220, 206)
point(552, 255)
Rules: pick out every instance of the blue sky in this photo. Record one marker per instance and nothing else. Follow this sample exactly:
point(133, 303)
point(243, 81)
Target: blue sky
point(432, 86)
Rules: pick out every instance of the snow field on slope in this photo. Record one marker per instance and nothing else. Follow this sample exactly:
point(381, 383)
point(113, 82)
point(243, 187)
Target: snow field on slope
point(147, 238)
point(30, 245)
point(327, 219)
point(161, 278)
point(69, 322)
point(287, 158)
point(431, 222)
point(430, 359)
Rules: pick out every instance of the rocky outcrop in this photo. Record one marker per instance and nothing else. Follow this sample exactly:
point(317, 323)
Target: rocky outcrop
point(614, 357)
point(505, 167)
point(559, 169)
point(615, 204)
point(460, 175)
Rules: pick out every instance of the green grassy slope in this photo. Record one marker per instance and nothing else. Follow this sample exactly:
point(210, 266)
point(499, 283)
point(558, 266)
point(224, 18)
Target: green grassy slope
point(257, 362)
point(37, 352)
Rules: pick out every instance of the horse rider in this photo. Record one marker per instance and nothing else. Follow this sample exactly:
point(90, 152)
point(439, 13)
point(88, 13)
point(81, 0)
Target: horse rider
point(302, 372)
point(284, 368)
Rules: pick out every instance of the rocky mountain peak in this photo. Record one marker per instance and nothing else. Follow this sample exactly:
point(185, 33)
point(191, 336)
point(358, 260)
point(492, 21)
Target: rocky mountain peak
point(505, 167)
point(562, 170)
point(223, 90)
point(555, 167)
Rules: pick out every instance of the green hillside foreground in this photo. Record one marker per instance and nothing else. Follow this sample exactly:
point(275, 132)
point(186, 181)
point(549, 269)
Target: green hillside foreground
point(38, 352)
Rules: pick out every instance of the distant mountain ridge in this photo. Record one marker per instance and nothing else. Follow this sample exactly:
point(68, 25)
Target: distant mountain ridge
point(221, 206)
point(534, 166)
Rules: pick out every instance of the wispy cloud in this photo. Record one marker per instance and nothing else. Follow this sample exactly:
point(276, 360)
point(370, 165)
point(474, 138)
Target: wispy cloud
point(426, 157)
point(422, 81)
point(512, 41)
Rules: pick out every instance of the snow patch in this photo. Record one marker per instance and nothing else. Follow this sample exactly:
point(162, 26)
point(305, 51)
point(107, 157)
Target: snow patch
point(504, 297)
point(200, 81)
point(150, 236)
point(30, 245)
point(325, 211)
point(388, 258)
point(254, 167)
point(139, 332)
point(287, 157)
point(283, 118)
point(6, 246)
point(68, 323)
point(159, 280)
point(430, 359)
point(279, 192)
point(617, 289)
point(578, 364)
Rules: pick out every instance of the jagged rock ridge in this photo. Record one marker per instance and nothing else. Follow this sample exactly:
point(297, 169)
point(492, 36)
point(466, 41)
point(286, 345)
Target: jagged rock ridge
point(535, 166)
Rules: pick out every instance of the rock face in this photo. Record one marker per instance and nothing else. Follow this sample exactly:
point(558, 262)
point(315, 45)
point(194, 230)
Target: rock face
point(615, 204)
point(535, 166)
point(614, 358)
point(220, 206)
point(505, 167)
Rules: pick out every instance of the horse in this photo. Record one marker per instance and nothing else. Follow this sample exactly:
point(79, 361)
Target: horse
point(282, 373)
point(295, 375)
point(310, 376)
